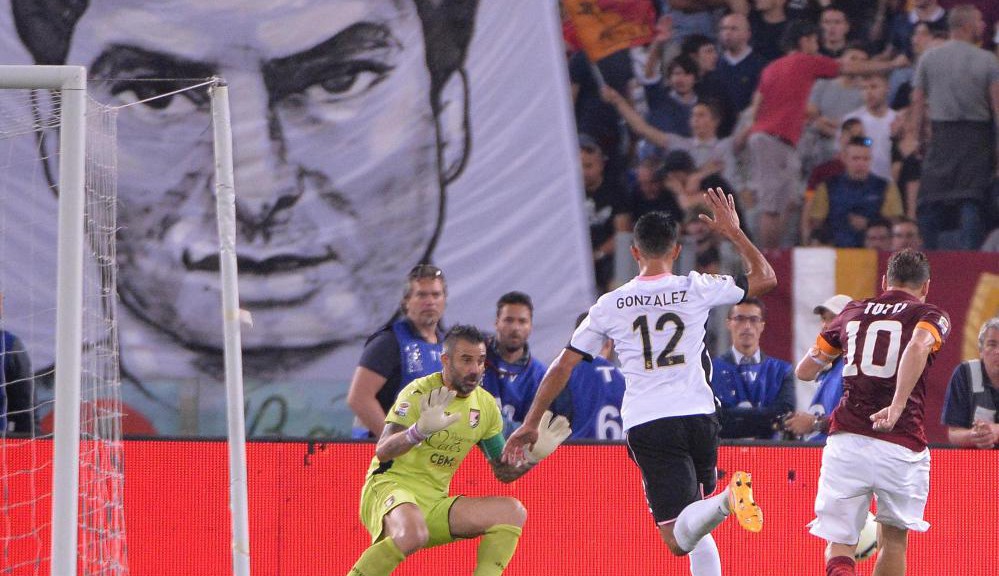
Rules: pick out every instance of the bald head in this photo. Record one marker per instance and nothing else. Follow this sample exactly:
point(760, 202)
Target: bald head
point(965, 23)
point(733, 33)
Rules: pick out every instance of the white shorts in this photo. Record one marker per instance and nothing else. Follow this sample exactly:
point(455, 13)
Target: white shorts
point(854, 468)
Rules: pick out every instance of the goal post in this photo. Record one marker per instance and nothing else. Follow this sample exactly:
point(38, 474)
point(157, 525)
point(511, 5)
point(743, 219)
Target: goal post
point(225, 204)
point(69, 319)
point(71, 81)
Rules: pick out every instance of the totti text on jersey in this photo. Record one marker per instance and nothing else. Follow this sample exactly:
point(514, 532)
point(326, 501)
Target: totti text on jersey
point(664, 299)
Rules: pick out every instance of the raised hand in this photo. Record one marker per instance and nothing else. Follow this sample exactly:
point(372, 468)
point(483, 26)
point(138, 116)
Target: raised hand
point(726, 219)
point(432, 416)
point(663, 30)
point(552, 432)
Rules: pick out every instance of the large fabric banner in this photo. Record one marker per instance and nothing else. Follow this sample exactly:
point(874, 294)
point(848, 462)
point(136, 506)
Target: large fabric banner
point(369, 136)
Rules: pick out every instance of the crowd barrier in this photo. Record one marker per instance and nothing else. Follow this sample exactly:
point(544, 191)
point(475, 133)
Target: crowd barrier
point(586, 513)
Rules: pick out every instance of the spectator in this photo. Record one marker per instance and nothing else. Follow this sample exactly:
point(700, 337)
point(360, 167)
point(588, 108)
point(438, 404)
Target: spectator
point(605, 208)
point(710, 154)
point(867, 20)
point(407, 348)
point(813, 424)
point(834, 27)
point(594, 116)
point(767, 22)
point(649, 193)
point(879, 122)
point(592, 398)
point(848, 130)
point(990, 14)
point(878, 235)
point(830, 101)
point(847, 203)
point(739, 67)
point(904, 23)
point(703, 51)
point(778, 114)
point(17, 387)
point(709, 87)
point(755, 390)
point(681, 177)
point(512, 375)
point(905, 234)
point(669, 110)
point(699, 16)
point(906, 167)
point(972, 398)
point(804, 9)
point(900, 82)
point(961, 102)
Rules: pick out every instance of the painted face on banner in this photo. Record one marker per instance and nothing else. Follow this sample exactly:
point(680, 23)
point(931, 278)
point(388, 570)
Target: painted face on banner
point(335, 150)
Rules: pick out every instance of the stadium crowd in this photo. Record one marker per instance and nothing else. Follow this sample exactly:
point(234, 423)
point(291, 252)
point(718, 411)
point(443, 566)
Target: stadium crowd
point(833, 122)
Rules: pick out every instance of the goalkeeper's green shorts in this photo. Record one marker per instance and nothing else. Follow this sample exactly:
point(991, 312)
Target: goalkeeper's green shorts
point(380, 495)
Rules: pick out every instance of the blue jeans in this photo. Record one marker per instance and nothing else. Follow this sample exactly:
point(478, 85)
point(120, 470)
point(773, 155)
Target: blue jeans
point(970, 222)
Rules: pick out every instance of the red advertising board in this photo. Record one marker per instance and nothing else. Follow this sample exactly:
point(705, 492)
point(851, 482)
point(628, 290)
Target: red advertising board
point(586, 513)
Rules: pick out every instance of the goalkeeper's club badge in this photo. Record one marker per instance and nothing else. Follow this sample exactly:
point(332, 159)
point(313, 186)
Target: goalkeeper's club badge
point(402, 408)
point(473, 418)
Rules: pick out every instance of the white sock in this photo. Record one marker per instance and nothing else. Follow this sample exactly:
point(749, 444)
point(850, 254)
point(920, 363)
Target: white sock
point(704, 558)
point(699, 518)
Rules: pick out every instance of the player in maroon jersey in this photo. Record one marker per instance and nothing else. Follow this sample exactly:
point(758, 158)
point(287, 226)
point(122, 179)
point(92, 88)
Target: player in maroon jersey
point(877, 442)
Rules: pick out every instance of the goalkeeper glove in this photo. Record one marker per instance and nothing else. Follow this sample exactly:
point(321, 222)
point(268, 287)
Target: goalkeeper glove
point(552, 432)
point(432, 416)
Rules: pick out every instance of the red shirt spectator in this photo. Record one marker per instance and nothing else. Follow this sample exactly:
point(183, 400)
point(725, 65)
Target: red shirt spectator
point(784, 88)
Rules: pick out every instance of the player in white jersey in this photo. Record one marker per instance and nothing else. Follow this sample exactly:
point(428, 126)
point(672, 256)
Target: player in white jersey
point(657, 324)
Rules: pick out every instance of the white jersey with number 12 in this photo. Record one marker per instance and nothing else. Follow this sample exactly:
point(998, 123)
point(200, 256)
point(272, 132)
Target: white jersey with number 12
point(657, 325)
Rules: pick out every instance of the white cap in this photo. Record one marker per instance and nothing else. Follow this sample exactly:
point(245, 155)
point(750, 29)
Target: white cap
point(834, 304)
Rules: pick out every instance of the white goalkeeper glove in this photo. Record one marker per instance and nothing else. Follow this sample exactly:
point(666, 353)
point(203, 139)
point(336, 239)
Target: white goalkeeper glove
point(552, 432)
point(432, 417)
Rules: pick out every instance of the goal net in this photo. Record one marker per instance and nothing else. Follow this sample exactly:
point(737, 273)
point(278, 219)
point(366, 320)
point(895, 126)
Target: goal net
point(58, 283)
point(62, 461)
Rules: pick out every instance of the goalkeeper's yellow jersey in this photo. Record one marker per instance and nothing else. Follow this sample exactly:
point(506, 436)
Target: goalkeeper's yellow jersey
point(429, 466)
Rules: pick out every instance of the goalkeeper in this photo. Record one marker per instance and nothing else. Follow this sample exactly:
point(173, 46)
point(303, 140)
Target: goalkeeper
point(431, 428)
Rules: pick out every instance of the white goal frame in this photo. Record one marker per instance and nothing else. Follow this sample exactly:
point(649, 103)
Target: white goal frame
point(71, 81)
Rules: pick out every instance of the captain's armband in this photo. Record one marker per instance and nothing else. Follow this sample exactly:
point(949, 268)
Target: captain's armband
point(819, 357)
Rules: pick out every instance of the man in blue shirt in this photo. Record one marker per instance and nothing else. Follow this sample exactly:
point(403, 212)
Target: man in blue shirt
point(592, 398)
point(512, 375)
point(813, 424)
point(755, 390)
point(846, 203)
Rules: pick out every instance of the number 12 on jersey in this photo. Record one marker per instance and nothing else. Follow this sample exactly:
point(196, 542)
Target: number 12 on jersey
point(641, 324)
